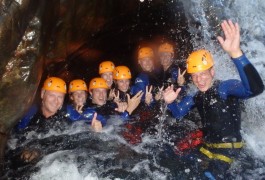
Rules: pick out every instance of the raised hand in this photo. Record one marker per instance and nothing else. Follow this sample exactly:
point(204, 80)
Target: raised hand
point(121, 106)
point(79, 108)
point(134, 101)
point(111, 94)
point(231, 42)
point(181, 78)
point(116, 97)
point(96, 124)
point(148, 95)
point(159, 94)
point(170, 95)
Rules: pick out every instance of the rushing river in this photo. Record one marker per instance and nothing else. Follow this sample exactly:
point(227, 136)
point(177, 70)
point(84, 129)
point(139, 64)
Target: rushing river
point(76, 152)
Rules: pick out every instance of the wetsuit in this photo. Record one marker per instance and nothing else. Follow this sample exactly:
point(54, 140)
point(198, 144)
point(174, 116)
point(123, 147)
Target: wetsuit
point(170, 76)
point(87, 115)
point(35, 121)
point(107, 110)
point(68, 113)
point(146, 79)
point(220, 113)
point(23, 123)
point(122, 95)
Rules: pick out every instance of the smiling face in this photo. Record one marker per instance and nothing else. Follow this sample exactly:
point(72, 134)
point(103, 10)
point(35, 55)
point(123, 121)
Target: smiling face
point(52, 101)
point(166, 59)
point(78, 97)
point(203, 80)
point(123, 84)
point(146, 64)
point(99, 96)
point(108, 76)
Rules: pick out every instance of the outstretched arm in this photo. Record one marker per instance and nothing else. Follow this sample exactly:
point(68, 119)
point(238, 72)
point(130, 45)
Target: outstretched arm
point(178, 109)
point(251, 84)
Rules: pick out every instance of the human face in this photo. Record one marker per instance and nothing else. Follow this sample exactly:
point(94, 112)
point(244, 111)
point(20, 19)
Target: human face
point(99, 96)
point(108, 77)
point(78, 97)
point(146, 64)
point(166, 59)
point(123, 84)
point(203, 80)
point(52, 101)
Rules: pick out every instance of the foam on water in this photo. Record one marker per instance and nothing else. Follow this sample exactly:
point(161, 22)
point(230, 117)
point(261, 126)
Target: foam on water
point(61, 169)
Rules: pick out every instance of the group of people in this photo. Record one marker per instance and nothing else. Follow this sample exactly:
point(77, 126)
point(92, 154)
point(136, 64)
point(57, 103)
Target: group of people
point(113, 93)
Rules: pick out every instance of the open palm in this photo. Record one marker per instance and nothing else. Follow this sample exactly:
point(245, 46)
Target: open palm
point(231, 42)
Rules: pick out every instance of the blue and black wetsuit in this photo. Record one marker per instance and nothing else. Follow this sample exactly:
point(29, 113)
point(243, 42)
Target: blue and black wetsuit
point(146, 79)
point(68, 113)
point(122, 95)
point(108, 109)
point(219, 109)
point(170, 77)
point(87, 115)
point(35, 121)
point(24, 122)
point(250, 86)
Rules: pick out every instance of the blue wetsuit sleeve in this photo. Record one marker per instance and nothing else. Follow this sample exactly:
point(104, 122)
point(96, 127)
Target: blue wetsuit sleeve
point(182, 108)
point(233, 87)
point(140, 84)
point(125, 116)
point(87, 115)
point(72, 114)
point(250, 84)
point(23, 123)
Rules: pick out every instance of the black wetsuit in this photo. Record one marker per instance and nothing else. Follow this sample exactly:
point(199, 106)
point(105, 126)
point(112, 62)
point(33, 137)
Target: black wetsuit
point(220, 113)
point(170, 76)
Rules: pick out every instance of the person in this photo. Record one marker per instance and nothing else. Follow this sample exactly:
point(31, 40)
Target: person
point(146, 81)
point(143, 109)
point(106, 69)
point(98, 101)
point(52, 96)
point(78, 110)
point(218, 101)
point(122, 79)
point(49, 114)
point(170, 73)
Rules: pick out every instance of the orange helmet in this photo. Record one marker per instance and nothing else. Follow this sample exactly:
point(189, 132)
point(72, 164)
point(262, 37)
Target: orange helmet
point(98, 83)
point(199, 60)
point(166, 47)
point(145, 52)
point(122, 72)
point(54, 84)
point(77, 85)
point(106, 66)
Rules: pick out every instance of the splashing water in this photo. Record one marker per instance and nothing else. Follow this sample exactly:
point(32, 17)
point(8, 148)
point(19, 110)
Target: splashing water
point(162, 118)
